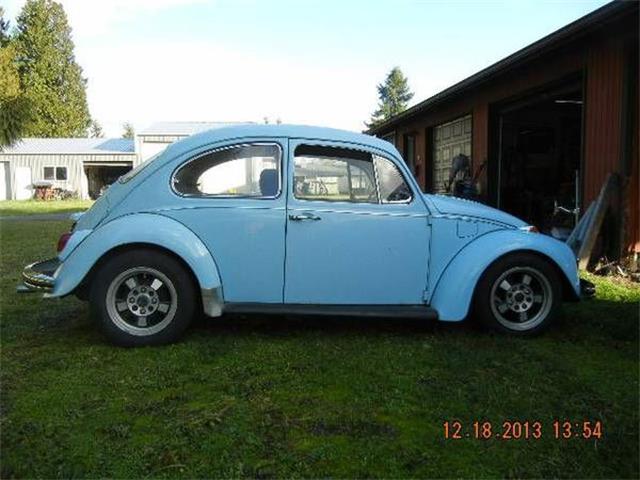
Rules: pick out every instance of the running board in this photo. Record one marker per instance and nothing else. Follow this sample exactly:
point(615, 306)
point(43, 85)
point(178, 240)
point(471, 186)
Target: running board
point(388, 311)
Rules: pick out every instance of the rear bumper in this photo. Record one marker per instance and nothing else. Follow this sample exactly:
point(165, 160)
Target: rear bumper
point(39, 276)
point(587, 289)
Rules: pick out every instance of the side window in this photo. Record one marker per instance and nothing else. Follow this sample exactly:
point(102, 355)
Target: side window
point(61, 173)
point(55, 173)
point(391, 183)
point(334, 175)
point(240, 171)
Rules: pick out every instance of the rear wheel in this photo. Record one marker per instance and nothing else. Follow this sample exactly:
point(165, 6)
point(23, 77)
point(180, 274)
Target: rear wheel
point(143, 297)
point(519, 294)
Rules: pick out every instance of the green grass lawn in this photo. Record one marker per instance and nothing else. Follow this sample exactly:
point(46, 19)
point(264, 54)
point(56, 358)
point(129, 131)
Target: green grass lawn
point(30, 207)
point(303, 397)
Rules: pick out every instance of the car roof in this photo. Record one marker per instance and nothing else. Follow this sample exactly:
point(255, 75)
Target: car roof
point(239, 132)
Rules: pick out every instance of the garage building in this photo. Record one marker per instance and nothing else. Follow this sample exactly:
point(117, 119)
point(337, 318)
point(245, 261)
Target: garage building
point(544, 127)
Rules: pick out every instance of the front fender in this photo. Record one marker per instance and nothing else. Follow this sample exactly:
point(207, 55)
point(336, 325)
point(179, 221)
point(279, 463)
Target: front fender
point(153, 229)
point(454, 289)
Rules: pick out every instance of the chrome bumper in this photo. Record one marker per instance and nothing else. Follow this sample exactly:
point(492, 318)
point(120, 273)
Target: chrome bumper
point(38, 277)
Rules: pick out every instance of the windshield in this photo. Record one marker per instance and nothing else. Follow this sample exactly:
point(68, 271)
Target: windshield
point(132, 173)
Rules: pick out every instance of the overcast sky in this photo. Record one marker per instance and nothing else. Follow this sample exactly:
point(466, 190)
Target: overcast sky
point(310, 62)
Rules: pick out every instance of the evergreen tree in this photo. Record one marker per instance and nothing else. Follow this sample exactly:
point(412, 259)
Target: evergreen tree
point(128, 132)
point(95, 130)
point(49, 75)
point(394, 95)
point(14, 108)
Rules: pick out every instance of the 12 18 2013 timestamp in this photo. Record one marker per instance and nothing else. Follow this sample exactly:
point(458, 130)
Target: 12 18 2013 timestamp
point(522, 430)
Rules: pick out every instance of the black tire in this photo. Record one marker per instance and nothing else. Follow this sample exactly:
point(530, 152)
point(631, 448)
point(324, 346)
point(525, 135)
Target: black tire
point(520, 306)
point(171, 305)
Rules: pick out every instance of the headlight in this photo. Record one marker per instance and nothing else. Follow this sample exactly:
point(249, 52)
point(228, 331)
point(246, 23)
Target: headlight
point(530, 229)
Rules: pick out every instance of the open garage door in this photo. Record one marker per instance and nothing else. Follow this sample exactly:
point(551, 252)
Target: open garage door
point(540, 157)
point(101, 175)
point(449, 139)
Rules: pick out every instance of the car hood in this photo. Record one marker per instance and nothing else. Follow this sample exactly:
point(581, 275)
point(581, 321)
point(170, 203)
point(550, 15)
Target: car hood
point(467, 208)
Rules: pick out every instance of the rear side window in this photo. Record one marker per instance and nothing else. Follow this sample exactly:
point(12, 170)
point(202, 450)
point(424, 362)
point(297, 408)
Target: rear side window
point(239, 171)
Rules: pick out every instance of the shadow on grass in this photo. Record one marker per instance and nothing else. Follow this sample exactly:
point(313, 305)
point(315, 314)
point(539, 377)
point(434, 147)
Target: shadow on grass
point(283, 325)
point(599, 321)
point(606, 320)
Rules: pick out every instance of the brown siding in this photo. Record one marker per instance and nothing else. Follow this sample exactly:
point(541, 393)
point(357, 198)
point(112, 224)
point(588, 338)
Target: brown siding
point(632, 164)
point(603, 117)
point(633, 231)
point(611, 130)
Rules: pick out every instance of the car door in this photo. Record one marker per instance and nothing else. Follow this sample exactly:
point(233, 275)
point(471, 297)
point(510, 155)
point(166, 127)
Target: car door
point(357, 230)
point(232, 198)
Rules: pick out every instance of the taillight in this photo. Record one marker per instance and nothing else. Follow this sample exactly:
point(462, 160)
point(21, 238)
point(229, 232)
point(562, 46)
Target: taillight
point(62, 241)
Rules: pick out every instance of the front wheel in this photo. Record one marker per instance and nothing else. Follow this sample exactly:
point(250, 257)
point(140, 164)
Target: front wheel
point(519, 294)
point(143, 297)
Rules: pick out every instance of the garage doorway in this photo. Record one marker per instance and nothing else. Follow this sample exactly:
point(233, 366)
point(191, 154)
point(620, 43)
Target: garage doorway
point(540, 147)
point(100, 176)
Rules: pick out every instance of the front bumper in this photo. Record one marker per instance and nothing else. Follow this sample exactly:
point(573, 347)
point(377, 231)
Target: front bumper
point(39, 276)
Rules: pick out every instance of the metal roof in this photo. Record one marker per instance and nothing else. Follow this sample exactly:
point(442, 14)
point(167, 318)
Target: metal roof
point(176, 129)
point(570, 32)
point(76, 146)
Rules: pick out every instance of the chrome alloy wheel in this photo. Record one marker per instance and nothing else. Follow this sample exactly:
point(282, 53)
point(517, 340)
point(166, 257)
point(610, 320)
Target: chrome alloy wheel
point(141, 301)
point(521, 298)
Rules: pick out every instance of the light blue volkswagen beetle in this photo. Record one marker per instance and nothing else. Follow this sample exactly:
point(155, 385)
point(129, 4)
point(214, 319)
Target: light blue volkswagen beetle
point(293, 219)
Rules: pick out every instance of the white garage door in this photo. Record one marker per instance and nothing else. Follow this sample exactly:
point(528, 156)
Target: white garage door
point(24, 189)
point(449, 140)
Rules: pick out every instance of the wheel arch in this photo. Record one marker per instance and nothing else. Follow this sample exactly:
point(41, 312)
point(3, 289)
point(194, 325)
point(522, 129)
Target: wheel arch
point(84, 285)
point(149, 231)
point(568, 294)
point(452, 298)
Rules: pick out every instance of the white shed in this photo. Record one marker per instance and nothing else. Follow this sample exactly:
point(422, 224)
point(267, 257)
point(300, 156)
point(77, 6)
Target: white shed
point(79, 165)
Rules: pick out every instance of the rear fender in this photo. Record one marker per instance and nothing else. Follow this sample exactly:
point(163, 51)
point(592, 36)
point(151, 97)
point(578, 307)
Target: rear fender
point(454, 289)
point(152, 229)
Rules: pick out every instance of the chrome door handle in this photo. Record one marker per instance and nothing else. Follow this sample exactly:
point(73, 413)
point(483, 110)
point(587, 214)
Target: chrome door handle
point(303, 216)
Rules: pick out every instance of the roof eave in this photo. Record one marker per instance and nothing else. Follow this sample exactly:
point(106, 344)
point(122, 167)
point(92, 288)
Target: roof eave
point(579, 27)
